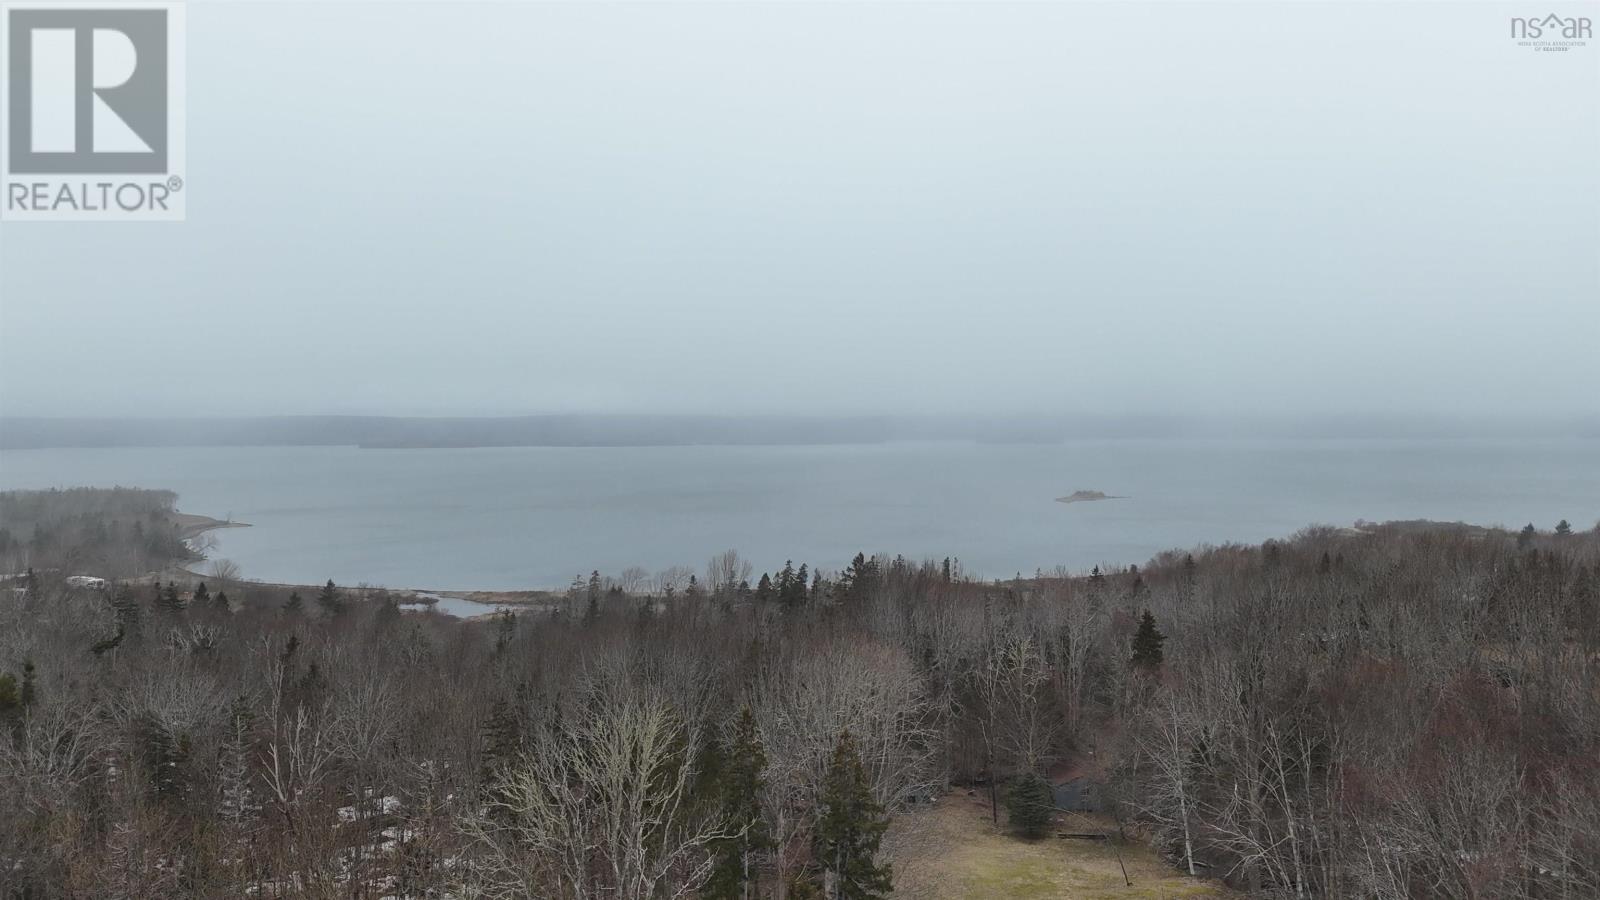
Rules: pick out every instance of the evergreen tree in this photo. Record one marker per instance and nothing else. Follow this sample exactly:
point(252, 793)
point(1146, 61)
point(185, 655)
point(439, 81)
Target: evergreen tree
point(238, 803)
point(1147, 643)
point(167, 599)
point(165, 756)
point(290, 647)
point(849, 830)
point(504, 630)
point(1271, 553)
point(30, 685)
point(201, 596)
point(860, 579)
point(10, 700)
point(1563, 528)
point(125, 607)
point(786, 583)
point(792, 590)
point(502, 743)
point(1096, 576)
point(388, 611)
point(221, 602)
point(764, 589)
point(947, 570)
point(1031, 804)
point(331, 599)
point(1525, 536)
point(102, 646)
point(735, 875)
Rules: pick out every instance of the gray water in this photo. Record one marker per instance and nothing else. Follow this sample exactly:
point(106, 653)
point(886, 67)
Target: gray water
point(457, 607)
point(534, 517)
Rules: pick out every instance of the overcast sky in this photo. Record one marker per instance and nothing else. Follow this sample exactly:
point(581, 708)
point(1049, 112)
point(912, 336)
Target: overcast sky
point(436, 208)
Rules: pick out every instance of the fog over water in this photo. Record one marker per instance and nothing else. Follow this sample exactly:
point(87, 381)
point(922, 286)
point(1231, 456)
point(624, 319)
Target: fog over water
point(468, 209)
point(916, 268)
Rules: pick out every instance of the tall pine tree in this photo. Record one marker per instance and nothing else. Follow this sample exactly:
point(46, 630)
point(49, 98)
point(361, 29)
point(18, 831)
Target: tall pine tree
point(1031, 804)
point(167, 599)
point(736, 875)
point(1147, 643)
point(330, 599)
point(850, 829)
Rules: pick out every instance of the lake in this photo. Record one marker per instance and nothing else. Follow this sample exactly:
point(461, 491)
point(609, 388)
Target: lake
point(534, 517)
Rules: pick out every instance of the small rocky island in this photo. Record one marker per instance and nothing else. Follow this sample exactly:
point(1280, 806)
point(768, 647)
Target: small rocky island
point(1086, 496)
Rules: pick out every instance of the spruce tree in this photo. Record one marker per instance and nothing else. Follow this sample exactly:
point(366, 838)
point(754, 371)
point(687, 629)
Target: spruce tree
point(125, 607)
point(1563, 528)
point(764, 589)
point(792, 589)
point(330, 599)
point(502, 743)
point(1031, 804)
point(850, 829)
point(201, 596)
point(1525, 536)
point(786, 583)
point(860, 580)
point(165, 757)
point(10, 699)
point(237, 804)
point(1147, 643)
point(221, 602)
point(167, 599)
point(505, 630)
point(736, 874)
point(30, 685)
point(294, 605)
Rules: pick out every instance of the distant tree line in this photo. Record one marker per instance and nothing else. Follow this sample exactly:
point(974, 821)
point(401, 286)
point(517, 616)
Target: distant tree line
point(102, 532)
point(1395, 712)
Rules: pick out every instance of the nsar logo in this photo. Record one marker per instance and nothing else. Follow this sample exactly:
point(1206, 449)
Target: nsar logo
point(1553, 32)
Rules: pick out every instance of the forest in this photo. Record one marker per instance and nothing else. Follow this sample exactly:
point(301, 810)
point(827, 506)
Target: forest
point(1388, 711)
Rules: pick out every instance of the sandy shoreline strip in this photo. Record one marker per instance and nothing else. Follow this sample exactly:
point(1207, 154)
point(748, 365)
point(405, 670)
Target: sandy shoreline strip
point(192, 525)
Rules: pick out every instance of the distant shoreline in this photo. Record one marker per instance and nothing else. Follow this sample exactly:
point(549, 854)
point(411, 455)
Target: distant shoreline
point(192, 525)
point(669, 430)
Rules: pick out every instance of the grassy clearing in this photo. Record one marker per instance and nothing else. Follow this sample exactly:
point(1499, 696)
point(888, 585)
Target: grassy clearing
point(953, 851)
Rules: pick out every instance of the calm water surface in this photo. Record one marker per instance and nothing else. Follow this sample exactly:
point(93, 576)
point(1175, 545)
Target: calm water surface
point(509, 518)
